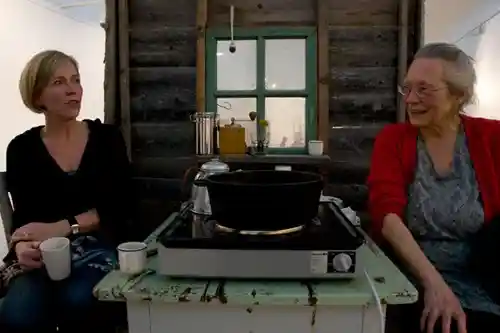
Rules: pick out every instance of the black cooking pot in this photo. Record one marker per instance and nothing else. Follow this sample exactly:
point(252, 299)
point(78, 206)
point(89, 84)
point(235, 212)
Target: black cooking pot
point(264, 200)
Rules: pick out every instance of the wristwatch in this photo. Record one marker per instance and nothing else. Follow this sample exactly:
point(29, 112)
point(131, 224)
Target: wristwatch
point(73, 225)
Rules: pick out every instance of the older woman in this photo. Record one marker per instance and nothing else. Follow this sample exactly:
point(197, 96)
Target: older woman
point(434, 183)
point(67, 178)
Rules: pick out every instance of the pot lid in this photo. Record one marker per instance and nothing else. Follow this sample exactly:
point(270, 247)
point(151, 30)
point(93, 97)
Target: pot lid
point(215, 165)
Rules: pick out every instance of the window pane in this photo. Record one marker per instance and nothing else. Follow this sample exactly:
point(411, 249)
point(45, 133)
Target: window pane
point(238, 70)
point(285, 64)
point(287, 122)
point(239, 109)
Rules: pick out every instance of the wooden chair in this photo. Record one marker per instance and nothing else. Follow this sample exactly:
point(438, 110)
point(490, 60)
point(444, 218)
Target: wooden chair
point(5, 206)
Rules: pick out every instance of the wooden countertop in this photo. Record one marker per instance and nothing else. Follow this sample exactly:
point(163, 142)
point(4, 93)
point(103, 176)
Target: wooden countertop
point(391, 285)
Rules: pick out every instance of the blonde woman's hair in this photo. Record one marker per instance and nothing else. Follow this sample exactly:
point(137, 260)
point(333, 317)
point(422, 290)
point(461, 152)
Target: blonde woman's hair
point(37, 74)
point(459, 71)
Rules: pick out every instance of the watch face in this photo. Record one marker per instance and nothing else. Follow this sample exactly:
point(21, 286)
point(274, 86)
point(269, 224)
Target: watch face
point(75, 228)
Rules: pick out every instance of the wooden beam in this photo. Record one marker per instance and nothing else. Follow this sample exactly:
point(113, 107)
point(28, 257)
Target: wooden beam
point(201, 26)
point(110, 63)
point(323, 100)
point(403, 16)
point(258, 13)
point(124, 60)
point(420, 24)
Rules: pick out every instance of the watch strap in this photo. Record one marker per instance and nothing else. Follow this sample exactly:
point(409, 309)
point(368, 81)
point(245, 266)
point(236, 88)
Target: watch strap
point(73, 224)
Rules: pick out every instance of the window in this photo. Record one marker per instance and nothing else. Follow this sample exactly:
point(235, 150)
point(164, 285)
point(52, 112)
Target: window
point(272, 72)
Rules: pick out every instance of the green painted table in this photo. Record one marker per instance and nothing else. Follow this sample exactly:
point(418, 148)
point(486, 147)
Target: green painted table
point(158, 303)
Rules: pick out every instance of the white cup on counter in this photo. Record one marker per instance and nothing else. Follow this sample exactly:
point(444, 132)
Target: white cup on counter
point(315, 147)
point(132, 257)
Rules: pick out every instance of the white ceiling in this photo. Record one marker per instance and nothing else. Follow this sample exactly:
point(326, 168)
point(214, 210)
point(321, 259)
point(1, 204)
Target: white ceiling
point(89, 11)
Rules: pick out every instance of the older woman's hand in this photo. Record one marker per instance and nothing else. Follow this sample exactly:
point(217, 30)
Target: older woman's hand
point(441, 302)
point(29, 255)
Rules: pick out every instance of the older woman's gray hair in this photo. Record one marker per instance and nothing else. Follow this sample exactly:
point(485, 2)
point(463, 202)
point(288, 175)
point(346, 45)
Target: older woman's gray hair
point(459, 71)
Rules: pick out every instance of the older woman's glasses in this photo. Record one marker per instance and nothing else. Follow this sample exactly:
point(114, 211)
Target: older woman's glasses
point(420, 92)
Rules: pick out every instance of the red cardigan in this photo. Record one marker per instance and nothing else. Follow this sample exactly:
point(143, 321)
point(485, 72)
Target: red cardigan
point(394, 161)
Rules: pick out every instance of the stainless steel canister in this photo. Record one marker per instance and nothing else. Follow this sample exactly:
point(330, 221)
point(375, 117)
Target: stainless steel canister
point(205, 132)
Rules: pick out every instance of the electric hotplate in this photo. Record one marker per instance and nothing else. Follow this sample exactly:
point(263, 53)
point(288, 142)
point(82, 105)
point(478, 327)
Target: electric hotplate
point(197, 246)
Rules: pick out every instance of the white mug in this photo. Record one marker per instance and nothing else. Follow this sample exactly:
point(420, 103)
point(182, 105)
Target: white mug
point(56, 256)
point(132, 257)
point(315, 147)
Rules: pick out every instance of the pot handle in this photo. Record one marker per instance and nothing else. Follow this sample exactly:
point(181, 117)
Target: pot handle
point(200, 182)
point(203, 181)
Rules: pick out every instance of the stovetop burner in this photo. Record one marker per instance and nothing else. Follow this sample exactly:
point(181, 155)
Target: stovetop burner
point(196, 246)
point(221, 228)
point(330, 230)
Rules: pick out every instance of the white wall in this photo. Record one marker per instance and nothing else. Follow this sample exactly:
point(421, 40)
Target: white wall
point(474, 26)
point(27, 28)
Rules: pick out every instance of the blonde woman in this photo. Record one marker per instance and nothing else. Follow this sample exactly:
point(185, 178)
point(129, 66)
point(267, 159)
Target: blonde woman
point(67, 178)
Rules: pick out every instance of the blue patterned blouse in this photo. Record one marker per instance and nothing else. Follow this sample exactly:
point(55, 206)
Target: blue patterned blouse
point(443, 210)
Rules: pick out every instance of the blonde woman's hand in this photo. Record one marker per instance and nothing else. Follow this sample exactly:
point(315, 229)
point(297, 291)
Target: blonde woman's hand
point(39, 231)
point(29, 255)
point(441, 303)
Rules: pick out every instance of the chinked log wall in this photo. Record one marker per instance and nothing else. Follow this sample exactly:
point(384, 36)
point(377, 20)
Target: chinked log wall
point(151, 83)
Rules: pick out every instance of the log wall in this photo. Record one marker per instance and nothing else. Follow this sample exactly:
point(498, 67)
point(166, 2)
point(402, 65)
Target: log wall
point(364, 54)
point(162, 35)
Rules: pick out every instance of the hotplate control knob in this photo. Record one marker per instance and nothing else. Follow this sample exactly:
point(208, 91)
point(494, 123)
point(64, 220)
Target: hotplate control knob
point(342, 262)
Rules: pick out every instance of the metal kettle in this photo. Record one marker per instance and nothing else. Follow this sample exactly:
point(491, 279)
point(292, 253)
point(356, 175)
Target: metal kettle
point(199, 192)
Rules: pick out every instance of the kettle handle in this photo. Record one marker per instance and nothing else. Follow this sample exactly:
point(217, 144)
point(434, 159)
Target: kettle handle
point(187, 180)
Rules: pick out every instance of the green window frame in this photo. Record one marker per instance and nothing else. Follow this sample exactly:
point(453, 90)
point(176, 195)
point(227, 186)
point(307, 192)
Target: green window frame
point(260, 93)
